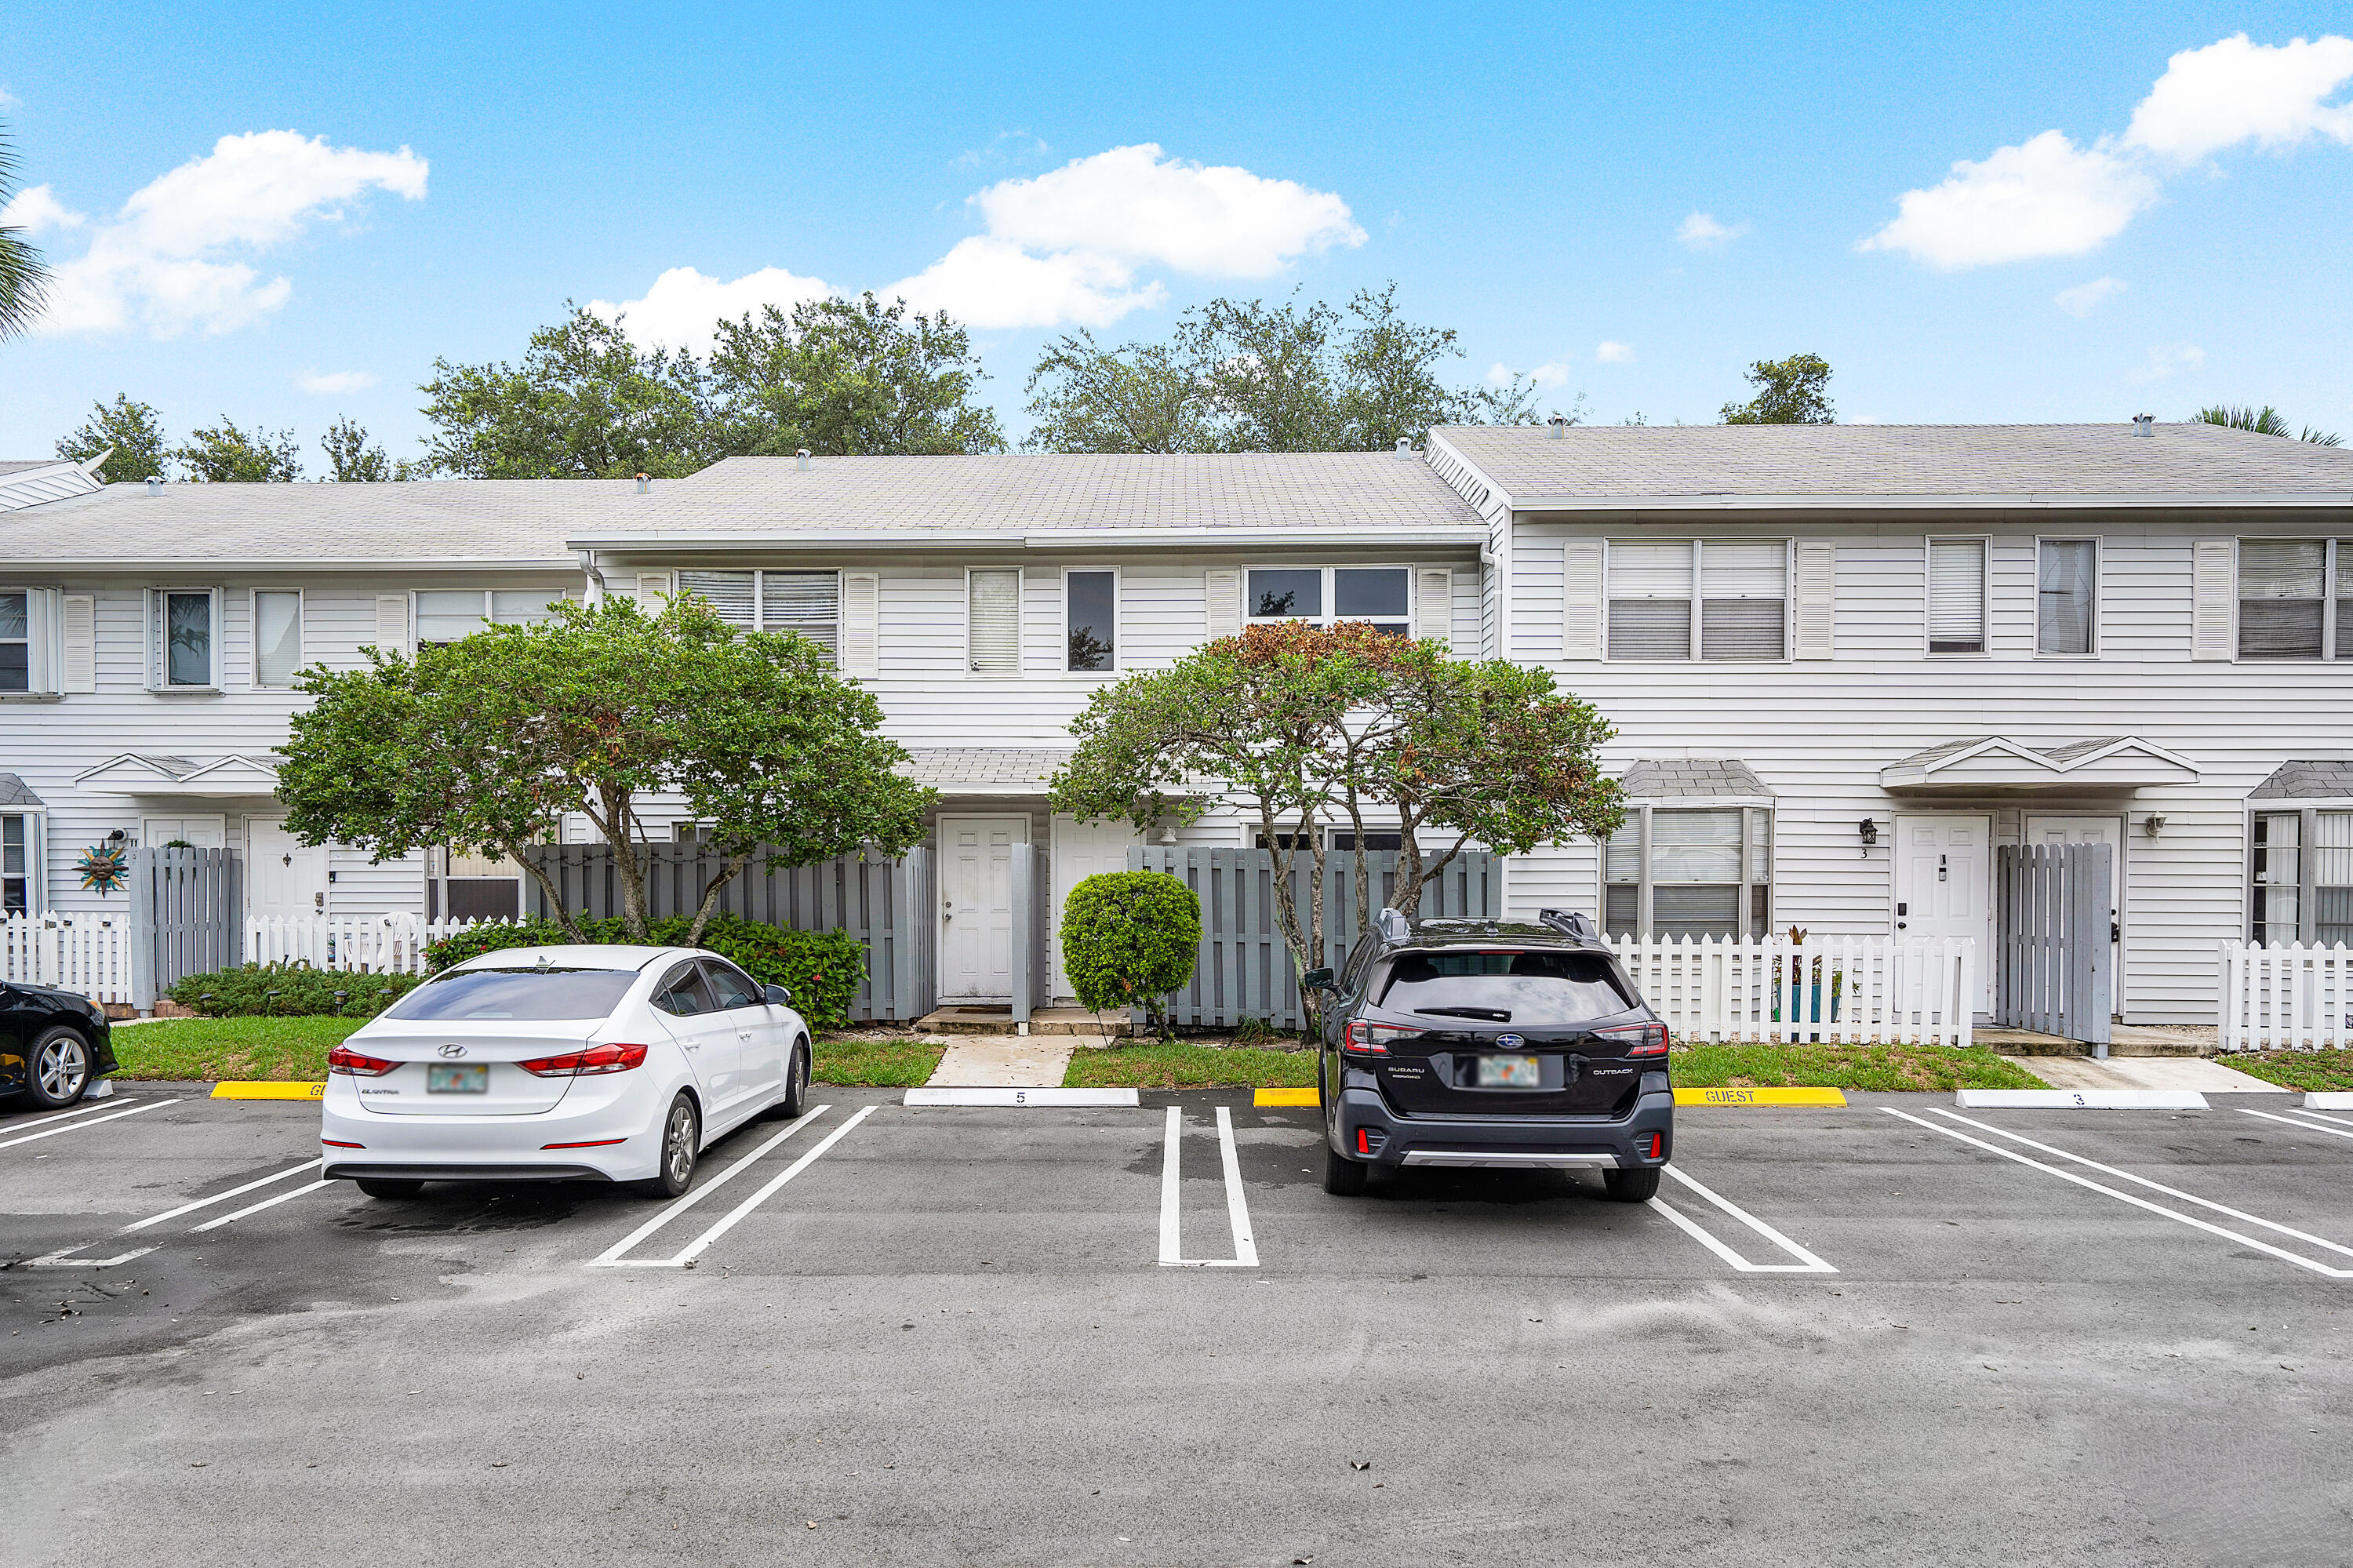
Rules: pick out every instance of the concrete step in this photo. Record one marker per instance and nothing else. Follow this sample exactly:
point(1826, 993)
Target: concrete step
point(2123, 1040)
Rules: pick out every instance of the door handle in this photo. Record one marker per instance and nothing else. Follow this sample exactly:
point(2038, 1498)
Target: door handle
point(1900, 924)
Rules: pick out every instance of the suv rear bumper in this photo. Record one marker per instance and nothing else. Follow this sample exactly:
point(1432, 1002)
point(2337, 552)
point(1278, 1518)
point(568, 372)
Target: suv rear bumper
point(1497, 1142)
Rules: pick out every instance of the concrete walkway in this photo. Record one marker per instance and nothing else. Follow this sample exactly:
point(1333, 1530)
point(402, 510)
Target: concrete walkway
point(1004, 1061)
point(2196, 1073)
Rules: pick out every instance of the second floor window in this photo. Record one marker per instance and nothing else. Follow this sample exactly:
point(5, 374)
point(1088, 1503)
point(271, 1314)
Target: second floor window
point(1382, 595)
point(2285, 592)
point(807, 604)
point(1741, 594)
point(187, 640)
point(1957, 596)
point(2067, 597)
point(1091, 601)
point(277, 637)
point(446, 616)
point(15, 643)
point(993, 621)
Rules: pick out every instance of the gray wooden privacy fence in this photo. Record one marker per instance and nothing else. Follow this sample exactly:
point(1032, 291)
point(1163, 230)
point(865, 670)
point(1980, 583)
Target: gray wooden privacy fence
point(1242, 970)
point(185, 907)
point(2054, 923)
point(888, 907)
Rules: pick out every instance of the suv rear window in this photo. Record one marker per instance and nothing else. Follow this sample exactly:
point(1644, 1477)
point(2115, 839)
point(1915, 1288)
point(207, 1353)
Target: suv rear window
point(526, 996)
point(1502, 986)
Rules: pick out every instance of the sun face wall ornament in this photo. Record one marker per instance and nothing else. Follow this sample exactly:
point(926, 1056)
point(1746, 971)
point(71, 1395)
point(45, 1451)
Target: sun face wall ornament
point(105, 867)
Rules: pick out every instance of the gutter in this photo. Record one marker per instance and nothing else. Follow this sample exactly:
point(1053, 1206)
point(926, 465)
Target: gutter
point(1450, 536)
point(1969, 503)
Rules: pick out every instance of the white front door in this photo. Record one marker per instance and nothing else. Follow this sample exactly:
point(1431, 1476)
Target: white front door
point(282, 876)
point(1944, 885)
point(2108, 831)
point(976, 907)
point(1082, 850)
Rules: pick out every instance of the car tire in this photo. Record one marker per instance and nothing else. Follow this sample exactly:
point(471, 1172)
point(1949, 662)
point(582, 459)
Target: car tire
point(797, 1082)
point(1639, 1186)
point(58, 1067)
point(681, 1147)
point(390, 1186)
point(1343, 1177)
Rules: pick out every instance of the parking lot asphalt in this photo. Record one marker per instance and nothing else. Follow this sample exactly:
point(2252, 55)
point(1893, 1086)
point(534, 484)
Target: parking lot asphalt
point(1896, 1331)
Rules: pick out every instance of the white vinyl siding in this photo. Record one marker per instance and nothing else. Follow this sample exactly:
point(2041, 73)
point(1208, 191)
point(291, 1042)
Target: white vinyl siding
point(2283, 598)
point(993, 621)
point(277, 636)
point(1957, 596)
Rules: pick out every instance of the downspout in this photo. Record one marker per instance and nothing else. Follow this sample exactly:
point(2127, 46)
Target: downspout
point(588, 559)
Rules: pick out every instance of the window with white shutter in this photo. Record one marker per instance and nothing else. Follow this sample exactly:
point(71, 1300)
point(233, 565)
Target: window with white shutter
point(1225, 606)
point(1813, 594)
point(731, 594)
point(2282, 596)
point(1649, 599)
point(1743, 611)
point(1433, 604)
point(861, 623)
point(78, 619)
point(15, 640)
point(184, 640)
point(1957, 596)
point(993, 621)
point(392, 623)
point(807, 604)
point(1581, 599)
point(652, 589)
point(2214, 598)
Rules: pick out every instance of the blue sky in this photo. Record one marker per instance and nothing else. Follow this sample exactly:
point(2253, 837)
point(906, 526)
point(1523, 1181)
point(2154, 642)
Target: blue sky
point(445, 177)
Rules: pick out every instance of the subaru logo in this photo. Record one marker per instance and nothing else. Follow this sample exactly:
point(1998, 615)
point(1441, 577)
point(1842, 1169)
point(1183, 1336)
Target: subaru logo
point(1511, 1042)
point(453, 1051)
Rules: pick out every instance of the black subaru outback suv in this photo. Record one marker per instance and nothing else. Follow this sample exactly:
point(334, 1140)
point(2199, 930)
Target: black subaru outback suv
point(1493, 1043)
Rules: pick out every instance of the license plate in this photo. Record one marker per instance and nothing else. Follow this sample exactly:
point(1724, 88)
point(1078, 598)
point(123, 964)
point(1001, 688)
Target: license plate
point(1509, 1073)
point(441, 1080)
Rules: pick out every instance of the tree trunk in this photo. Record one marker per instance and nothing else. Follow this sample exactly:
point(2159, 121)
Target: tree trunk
point(514, 852)
point(618, 821)
point(710, 897)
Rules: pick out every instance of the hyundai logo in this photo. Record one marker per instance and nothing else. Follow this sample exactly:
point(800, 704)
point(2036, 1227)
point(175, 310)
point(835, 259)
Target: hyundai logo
point(1511, 1042)
point(453, 1051)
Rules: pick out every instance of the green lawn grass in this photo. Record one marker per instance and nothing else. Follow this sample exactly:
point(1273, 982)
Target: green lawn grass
point(1703, 1067)
point(2309, 1070)
point(207, 1050)
point(1155, 1066)
point(873, 1064)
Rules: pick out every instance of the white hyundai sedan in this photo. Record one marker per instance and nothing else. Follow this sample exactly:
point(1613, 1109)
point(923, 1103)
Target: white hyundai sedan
point(599, 1063)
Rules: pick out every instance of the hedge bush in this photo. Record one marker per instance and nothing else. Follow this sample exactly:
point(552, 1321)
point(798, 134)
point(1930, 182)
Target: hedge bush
point(245, 993)
point(1129, 939)
point(824, 969)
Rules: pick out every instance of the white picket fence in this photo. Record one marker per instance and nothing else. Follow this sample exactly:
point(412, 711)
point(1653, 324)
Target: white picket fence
point(2286, 997)
point(85, 953)
point(372, 944)
point(1893, 991)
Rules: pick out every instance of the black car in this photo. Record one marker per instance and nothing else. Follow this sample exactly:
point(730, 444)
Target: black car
point(1492, 1043)
point(53, 1043)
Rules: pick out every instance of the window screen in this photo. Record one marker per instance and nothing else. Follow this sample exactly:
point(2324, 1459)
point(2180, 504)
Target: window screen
point(277, 638)
point(1092, 612)
point(1285, 591)
point(728, 593)
point(1957, 596)
point(2066, 596)
point(1743, 589)
point(15, 643)
point(16, 867)
point(1649, 599)
point(806, 604)
point(526, 607)
point(2281, 587)
point(187, 639)
point(1376, 594)
point(447, 617)
point(993, 624)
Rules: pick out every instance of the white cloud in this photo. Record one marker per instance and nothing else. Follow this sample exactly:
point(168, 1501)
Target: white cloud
point(2083, 298)
point(1614, 354)
point(163, 261)
point(2167, 358)
point(335, 381)
point(2044, 198)
point(684, 309)
point(1138, 204)
point(2235, 91)
point(994, 284)
point(1700, 231)
point(36, 208)
point(1550, 374)
point(9, 100)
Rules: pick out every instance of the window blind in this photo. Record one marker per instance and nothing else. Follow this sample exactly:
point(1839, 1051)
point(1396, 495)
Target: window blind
point(1741, 588)
point(808, 603)
point(445, 617)
point(1649, 599)
point(728, 593)
point(1957, 596)
point(2280, 583)
point(277, 638)
point(993, 622)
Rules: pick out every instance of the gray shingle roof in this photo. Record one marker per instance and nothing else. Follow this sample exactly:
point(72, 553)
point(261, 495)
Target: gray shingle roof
point(976, 769)
point(12, 791)
point(1647, 461)
point(2324, 780)
point(1681, 778)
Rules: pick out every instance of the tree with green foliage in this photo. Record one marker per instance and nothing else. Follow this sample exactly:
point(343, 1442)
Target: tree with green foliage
point(486, 744)
point(586, 403)
point(2263, 421)
point(1247, 375)
point(352, 459)
point(1793, 391)
point(849, 377)
point(228, 455)
point(132, 431)
point(24, 275)
point(1129, 938)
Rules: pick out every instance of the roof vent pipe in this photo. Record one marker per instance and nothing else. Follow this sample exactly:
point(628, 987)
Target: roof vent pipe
point(1405, 449)
point(800, 459)
point(155, 484)
point(2144, 424)
point(645, 482)
point(1559, 427)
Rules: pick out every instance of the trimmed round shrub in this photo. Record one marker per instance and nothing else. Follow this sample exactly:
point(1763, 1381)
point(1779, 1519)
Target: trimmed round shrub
point(1129, 938)
point(259, 990)
point(824, 969)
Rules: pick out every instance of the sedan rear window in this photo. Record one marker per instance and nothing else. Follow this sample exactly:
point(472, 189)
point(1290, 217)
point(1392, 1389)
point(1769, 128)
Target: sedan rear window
point(526, 996)
point(1502, 987)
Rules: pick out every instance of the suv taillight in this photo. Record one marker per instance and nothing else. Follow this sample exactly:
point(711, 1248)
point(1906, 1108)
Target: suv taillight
point(1367, 1039)
point(343, 1059)
point(1639, 1039)
point(584, 1063)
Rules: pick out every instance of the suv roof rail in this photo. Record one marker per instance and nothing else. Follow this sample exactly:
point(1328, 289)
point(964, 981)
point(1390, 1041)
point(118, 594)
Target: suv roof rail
point(1392, 925)
point(1571, 923)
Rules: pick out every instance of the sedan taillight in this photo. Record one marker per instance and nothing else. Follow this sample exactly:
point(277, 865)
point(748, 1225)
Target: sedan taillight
point(582, 1063)
point(1639, 1039)
point(343, 1059)
point(1367, 1039)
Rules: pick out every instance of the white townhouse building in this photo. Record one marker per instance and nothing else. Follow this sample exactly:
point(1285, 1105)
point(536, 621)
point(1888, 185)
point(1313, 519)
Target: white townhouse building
point(1844, 661)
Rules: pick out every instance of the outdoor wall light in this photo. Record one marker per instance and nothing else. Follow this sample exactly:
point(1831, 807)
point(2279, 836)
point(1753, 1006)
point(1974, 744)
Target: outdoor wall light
point(2155, 825)
point(1165, 834)
point(1870, 831)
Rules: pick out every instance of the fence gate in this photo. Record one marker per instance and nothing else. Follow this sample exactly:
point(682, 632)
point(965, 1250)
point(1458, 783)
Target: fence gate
point(183, 909)
point(2053, 929)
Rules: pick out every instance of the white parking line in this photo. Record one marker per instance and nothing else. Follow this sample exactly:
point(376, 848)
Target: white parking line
point(1237, 1209)
point(611, 1256)
point(62, 1258)
point(257, 1208)
point(1807, 1263)
point(2190, 1220)
point(2342, 1129)
point(77, 1126)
